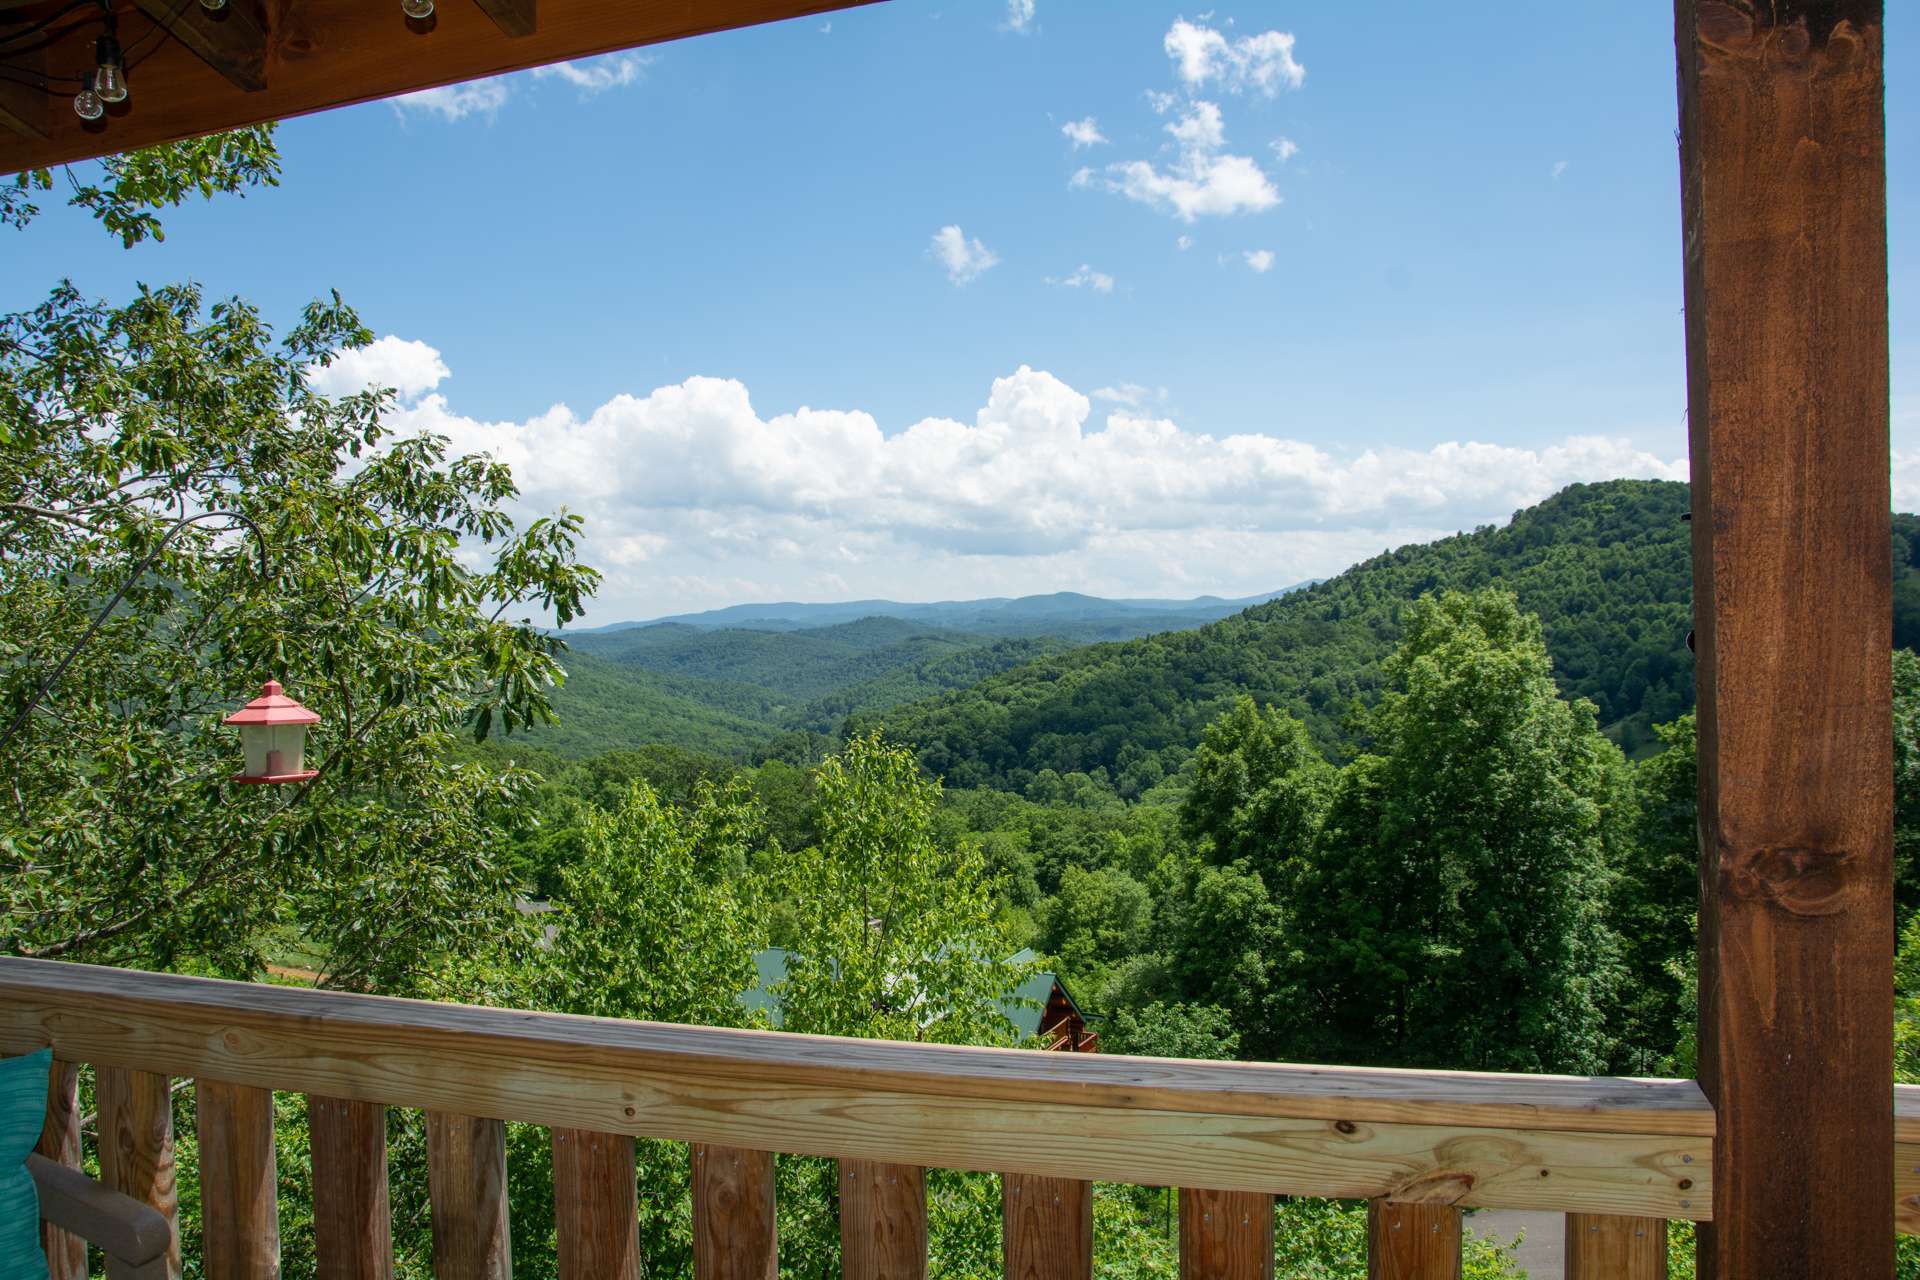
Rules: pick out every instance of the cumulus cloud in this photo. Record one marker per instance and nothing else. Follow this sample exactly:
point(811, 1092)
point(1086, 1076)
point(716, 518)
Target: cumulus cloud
point(457, 101)
point(1085, 278)
point(1019, 14)
point(597, 75)
point(1200, 180)
point(410, 368)
point(1262, 64)
point(694, 498)
point(1183, 243)
point(1285, 149)
point(964, 259)
point(1131, 394)
point(1083, 133)
point(1261, 260)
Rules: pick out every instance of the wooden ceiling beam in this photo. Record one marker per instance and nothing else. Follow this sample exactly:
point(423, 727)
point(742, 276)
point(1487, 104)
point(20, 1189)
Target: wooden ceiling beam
point(233, 41)
point(25, 110)
point(515, 18)
point(320, 54)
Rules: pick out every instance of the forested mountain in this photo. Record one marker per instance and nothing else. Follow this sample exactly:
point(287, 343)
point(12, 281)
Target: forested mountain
point(1068, 615)
point(1605, 566)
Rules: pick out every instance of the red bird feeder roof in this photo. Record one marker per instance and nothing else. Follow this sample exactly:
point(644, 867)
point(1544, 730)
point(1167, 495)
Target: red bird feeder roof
point(273, 706)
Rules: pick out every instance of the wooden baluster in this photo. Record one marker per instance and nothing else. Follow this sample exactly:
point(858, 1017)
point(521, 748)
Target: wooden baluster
point(240, 1215)
point(1226, 1235)
point(467, 1191)
point(595, 1209)
point(734, 1236)
point(1611, 1247)
point(1046, 1227)
point(136, 1144)
point(60, 1143)
point(1412, 1241)
point(883, 1221)
point(352, 1218)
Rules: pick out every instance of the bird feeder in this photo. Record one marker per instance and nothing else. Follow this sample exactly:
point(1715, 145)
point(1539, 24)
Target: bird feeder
point(273, 733)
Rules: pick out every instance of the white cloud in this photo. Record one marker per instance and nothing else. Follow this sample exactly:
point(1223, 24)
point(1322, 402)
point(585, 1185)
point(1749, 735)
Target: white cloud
point(1161, 102)
point(597, 75)
point(457, 101)
point(1083, 133)
point(1131, 394)
point(693, 498)
point(1085, 278)
point(1262, 64)
point(1200, 180)
point(1261, 260)
point(1183, 243)
point(1559, 167)
point(1019, 14)
point(964, 259)
point(409, 367)
point(1285, 149)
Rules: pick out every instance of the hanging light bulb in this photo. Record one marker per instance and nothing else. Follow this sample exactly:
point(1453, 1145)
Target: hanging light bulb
point(213, 6)
point(417, 8)
point(110, 76)
point(87, 105)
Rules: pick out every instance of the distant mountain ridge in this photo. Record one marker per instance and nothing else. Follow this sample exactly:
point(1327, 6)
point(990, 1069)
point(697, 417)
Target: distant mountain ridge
point(993, 615)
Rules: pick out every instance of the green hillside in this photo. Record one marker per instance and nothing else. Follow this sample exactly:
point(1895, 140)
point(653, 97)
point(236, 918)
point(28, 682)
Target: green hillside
point(1606, 566)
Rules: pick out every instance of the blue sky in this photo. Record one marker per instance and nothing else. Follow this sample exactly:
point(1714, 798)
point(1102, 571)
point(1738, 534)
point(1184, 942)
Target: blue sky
point(1349, 275)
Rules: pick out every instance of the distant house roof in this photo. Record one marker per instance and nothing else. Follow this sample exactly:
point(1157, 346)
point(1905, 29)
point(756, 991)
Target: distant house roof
point(1024, 1006)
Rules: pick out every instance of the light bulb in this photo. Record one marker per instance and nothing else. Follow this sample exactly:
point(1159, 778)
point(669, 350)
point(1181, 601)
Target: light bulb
point(110, 76)
point(213, 6)
point(417, 8)
point(87, 105)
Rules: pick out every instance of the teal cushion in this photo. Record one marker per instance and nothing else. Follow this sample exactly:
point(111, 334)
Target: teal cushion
point(23, 1110)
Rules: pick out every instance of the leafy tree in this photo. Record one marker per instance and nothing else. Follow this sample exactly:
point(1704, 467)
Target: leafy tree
point(1173, 1031)
point(1100, 916)
point(1258, 788)
point(391, 569)
point(1453, 912)
point(134, 184)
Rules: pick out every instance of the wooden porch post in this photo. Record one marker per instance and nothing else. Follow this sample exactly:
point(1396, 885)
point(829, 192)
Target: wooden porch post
point(1783, 167)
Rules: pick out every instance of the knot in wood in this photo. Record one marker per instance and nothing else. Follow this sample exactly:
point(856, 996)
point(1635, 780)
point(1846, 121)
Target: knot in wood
point(1800, 880)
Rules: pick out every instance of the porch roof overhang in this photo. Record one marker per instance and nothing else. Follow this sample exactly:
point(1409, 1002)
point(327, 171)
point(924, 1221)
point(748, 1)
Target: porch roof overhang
point(199, 72)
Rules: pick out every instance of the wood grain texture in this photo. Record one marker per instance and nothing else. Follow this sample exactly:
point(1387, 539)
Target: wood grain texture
point(595, 1209)
point(467, 1193)
point(1612, 1146)
point(514, 17)
point(1611, 1248)
point(1783, 168)
point(60, 1144)
point(232, 41)
point(1412, 1241)
point(328, 53)
point(883, 1221)
point(1046, 1227)
point(1225, 1235)
point(735, 1236)
point(239, 1208)
point(136, 1144)
point(352, 1212)
point(24, 109)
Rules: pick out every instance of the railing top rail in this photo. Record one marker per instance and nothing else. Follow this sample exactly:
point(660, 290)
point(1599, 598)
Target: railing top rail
point(195, 1026)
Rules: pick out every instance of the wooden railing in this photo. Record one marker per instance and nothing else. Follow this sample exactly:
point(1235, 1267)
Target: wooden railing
point(1620, 1157)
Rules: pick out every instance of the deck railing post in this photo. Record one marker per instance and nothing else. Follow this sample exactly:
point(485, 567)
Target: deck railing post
point(1609, 1247)
point(136, 1144)
point(734, 1233)
point(60, 1143)
point(883, 1221)
point(239, 1203)
point(1046, 1227)
point(352, 1216)
point(467, 1192)
point(1783, 181)
point(1225, 1235)
point(1412, 1241)
point(596, 1218)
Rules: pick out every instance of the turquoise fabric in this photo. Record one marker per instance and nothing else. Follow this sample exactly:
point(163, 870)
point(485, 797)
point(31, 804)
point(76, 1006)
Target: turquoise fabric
point(23, 1109)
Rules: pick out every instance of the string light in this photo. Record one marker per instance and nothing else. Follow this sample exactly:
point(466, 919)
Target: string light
point(87, 105)
point(417, 9)
point(110, 73)
point(213, 6)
